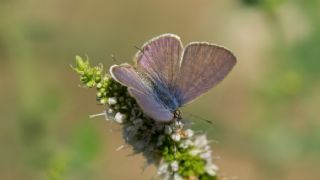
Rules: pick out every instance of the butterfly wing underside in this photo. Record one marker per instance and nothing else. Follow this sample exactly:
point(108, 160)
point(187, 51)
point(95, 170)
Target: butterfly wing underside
point(140, 89)
point(160, 58)
point(202, 67)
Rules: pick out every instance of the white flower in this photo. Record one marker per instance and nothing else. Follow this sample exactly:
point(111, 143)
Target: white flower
point(112, 101)
point(174, 166)
point(189, 142)
point(176, 176)
point(119, 117)
point(201, 141)
point(163, 168)
point(195, 152)
point(105, 78)
point(211, 169)
point(167, 176)
point(110, 110)
point(183, 145)
point(99, 85)
point(176, 137)
point(206, 148)
point(178, 124)
point(206, 155)
point(103, 100)
point(189, 133)
point(186, 143)
point(109, 114)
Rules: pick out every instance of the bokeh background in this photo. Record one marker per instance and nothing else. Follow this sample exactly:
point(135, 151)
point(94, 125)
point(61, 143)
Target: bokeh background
point(265, 113)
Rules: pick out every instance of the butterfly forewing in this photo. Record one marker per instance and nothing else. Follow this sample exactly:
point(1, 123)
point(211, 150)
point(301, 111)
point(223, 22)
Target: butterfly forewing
point(160, 58)
point(202, 67)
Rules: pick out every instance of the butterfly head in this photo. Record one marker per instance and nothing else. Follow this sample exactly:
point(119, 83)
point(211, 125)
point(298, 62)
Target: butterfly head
point(177, 115)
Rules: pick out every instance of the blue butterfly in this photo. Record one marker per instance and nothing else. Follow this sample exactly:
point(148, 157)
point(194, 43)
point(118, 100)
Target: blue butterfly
point(167, 76)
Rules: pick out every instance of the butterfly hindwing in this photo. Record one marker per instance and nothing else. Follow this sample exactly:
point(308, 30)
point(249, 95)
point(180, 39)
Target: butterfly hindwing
point(139, 88)
point(151, 106)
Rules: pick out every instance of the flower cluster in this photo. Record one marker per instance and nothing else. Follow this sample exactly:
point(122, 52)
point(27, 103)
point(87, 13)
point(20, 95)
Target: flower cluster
point(173, 147)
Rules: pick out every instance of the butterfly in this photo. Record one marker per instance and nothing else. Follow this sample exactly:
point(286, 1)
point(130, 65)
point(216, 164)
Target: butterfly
point(165, 76)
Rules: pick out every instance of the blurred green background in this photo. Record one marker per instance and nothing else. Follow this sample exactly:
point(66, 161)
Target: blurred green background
point(265, 113)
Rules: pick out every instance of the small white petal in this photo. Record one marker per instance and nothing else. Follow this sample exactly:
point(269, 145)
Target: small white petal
point(176, 176)
point(105, 78)
point(163, 168)
point(189, 133)
point(195, 152)
point(120, 118)
point(178, 124)
point(110, 114)
point(167, 176)
point(110, 110)
point(176, 137)
point(112, 101)
point(103, 100)
point(99, 85)
point(206, 155)
point(211, 169)
point(174, 166)
point(206, 148)
point(201, 141)
point(186, 143)
point(183, 145)
point(167, 130)
point(189, 142)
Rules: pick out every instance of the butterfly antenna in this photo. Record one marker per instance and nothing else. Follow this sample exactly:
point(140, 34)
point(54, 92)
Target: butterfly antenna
point(199, 117)
point(145, 55)
point(141, 50)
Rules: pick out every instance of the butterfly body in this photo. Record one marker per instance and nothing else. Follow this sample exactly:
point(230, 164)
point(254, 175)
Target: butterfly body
point(167, 76)
point(166, 96)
